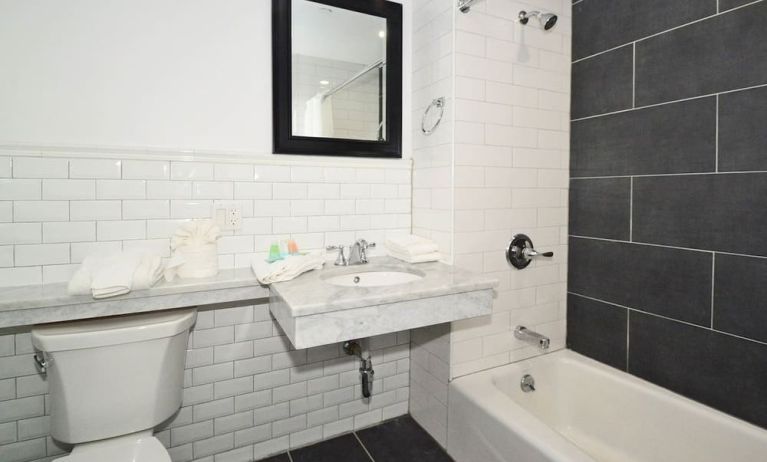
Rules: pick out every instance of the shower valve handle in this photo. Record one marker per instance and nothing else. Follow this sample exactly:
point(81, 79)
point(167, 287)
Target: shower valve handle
point(520, 252)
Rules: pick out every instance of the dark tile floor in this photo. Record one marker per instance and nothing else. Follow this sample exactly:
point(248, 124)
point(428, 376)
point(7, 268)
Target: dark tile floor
point(397, 440)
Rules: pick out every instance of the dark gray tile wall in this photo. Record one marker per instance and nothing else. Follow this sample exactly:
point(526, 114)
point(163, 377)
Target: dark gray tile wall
point(602, 205)
point(668, 203)
point(604, 84)
point(742, 134)
point(599, 25)
point(672, 138)
point(725, 52)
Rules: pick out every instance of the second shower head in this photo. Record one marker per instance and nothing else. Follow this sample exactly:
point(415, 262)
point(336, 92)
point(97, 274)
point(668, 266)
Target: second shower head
point(546, 20)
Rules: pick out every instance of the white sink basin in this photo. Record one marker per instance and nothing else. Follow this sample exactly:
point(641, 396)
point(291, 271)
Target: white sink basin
point(373, 279)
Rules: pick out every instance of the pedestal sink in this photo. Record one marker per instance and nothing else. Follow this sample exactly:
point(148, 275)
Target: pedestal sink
point(373, 279)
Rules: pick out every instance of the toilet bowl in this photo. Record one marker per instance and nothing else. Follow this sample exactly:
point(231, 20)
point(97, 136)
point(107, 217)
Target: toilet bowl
point(112, 380)
point(138, 447)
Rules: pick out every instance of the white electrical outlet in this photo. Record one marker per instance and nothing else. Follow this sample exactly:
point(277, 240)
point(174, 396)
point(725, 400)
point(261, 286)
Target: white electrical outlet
point(227, 215)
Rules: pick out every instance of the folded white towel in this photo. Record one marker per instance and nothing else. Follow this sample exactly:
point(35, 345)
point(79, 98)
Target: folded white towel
point(287, 269)
point(116, 274)
point(434, 256)
point(411, 245)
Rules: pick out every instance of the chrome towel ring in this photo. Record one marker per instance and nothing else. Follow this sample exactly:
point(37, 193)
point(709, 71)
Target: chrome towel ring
point(438, 103)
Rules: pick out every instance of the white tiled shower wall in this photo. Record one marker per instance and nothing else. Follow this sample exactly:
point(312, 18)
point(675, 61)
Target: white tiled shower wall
point(56, 210)
point(247, 392)
point(511, 173)
point(432, 199)
point(497, 166)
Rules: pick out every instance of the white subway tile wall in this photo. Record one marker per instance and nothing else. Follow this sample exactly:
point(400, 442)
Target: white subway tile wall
point(247, 393)
point(496, 166)
point(432, 201)
point(511, 174)
point(54, 210)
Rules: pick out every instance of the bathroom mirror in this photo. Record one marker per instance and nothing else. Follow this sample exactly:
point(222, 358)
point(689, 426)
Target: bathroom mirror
point(337, 77)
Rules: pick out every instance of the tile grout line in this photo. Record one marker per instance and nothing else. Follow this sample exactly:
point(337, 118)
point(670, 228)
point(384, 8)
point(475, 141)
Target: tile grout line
point(695, 21)
point(637, 310)
point(665, 246)
point(628, 337)
point(363, 446)
point(634, 75)
point(659, 175)
point(716, 137)
point(631, 209)
point(664, 103)
point(713, 286)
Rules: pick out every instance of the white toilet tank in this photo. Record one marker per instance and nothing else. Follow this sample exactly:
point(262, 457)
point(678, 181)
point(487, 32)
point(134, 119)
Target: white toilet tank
point(114, 376)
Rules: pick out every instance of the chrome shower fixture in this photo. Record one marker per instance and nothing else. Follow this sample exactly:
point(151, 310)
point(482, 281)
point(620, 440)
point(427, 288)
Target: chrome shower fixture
point(546, 20)
point(465, 5)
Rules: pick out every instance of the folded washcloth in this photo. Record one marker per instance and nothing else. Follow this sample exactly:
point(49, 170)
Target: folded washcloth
point(116, 274)
point(413, 249)
point(433, 256)
point(287, 269)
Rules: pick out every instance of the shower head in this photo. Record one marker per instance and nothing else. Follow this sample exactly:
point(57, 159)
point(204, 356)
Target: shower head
point(547, 20)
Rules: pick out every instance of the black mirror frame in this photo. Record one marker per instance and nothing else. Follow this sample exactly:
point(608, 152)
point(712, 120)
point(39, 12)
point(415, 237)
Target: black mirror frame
point(284, 140)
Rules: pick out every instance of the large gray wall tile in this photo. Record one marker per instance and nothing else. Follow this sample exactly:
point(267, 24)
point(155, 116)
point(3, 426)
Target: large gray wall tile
point(599, 25)
point(671, 138)
point(740, 296)
point(603, 83)
point(724, 212)
point(597, 330)
point(742, 133)
point(600, 207)
point(725, 5)
point(722, 53)
point(670, 282)
point(697, 362)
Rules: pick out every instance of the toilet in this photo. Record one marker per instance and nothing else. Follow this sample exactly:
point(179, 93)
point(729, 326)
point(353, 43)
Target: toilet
point(112, 380)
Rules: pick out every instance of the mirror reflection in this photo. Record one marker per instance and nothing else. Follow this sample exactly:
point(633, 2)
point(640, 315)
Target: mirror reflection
point(338, 72)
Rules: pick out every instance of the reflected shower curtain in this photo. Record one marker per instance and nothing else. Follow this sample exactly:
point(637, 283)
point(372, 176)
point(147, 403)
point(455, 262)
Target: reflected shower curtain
point(318, 117)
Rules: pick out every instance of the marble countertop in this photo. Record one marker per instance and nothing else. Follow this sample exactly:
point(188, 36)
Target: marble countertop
point(310, 294)
point(27, 305)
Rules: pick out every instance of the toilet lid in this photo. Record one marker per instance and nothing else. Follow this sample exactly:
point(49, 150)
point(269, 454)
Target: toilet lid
point(147, 449)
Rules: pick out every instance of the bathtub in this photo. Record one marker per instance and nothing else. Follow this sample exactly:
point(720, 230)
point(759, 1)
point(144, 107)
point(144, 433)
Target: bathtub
point(582, 410)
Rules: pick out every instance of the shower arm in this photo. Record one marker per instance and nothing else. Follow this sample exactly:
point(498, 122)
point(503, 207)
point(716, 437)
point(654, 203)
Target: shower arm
point(465, 5)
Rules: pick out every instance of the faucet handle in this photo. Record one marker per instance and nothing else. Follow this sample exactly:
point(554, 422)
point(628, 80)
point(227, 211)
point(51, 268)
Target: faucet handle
point(363, 249)
point(341, 258)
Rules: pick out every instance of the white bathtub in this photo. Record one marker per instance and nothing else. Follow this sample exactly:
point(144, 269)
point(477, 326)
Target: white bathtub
point(583, 411)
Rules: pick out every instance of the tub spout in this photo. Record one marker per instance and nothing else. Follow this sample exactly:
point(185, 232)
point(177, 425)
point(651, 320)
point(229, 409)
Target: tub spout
point(523, 333)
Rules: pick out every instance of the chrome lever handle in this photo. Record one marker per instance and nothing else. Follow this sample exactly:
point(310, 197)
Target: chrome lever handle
point(341, 258)
point(534, 253)
point(520, 252)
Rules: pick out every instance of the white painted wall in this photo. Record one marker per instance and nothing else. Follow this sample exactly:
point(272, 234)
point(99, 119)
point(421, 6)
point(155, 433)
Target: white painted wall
point(167, 74)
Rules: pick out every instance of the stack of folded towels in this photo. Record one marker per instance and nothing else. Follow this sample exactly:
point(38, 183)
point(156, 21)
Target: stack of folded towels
point(116, 274)
point(413, 249)
point(288, 268)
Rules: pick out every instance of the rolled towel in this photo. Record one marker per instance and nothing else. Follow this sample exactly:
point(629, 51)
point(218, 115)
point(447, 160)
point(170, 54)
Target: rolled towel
point(288, 268)
point(410, 246)
point(195, 252)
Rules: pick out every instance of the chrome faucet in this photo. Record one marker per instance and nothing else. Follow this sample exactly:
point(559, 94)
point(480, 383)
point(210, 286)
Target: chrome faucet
point(358, 253)
point(523, 333)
